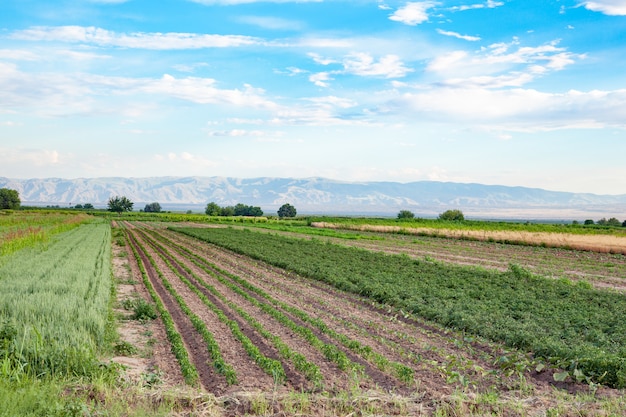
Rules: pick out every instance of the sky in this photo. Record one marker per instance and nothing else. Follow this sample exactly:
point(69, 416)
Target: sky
point(511, 92)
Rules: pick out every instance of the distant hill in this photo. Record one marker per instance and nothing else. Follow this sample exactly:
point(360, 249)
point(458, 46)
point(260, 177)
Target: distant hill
point(319, 195)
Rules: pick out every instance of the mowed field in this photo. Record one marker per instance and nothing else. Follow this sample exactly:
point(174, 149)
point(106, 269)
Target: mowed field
point(274, 333)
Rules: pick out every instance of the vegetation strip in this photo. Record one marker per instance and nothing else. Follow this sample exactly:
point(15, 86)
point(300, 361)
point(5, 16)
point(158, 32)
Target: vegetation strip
point(189, 371)
point(399, 370)
point(573, 327)
point(213, 348)
point(271, 366)
point(54, 305)
point(310, 370)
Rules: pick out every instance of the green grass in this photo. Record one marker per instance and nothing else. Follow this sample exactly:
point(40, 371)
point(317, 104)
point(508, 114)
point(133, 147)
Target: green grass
point(22, 229)
point(574, 327)
point(54, 304)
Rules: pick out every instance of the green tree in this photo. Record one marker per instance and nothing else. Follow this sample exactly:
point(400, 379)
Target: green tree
point(613, 222)
point(213, 209)
point(88, 206)
point(78, 206)
point(152, 208)
point(9, 199)
point(287, 210)
point(244, 210)
point(120, 204)
point(624, 224)
point(227, 211)
point(589, 222)
point(405, 214)
point(452, 215)
point(602, 221)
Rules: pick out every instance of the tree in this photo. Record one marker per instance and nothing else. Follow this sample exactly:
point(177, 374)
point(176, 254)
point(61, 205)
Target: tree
point(78, 206)
point(613, 222)
point(405, 214)
point(227, 211)
point(624, 224)
point(287, 210)
point(213, 209)
point(602, 221)
point(152, 208)
point(120, 204)
point(88, 206)
point(452, 215)
point(9, 199)
point(589, 222)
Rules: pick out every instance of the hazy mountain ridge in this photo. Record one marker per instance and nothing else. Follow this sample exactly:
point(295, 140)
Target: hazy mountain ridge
point(310, 194)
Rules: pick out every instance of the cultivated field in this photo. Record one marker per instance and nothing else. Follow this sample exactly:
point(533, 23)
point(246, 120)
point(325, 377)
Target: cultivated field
point(219, 320)
point(245, 326)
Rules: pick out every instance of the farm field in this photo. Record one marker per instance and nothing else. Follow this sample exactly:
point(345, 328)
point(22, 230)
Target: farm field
point(282, 333)
point(206, 330)
point(600, 269)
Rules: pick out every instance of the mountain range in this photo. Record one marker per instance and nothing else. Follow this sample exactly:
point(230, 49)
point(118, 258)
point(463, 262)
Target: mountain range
point(320, 195)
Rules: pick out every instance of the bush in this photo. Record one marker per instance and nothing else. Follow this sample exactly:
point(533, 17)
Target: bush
point(452, 215)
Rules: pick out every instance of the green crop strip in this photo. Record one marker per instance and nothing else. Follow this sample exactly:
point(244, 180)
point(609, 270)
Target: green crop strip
point(54, 305)
point(331, 352)
point(189, 371)
point(310, 370)
point(270, 366)
point(576, 328)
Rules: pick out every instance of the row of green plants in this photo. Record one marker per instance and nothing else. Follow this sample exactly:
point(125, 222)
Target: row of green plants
point(188, 370)
point(270, 366)
point(212, 347)
point(55, 305)
point(309, 369)
point(572, 326)
point(277, 310)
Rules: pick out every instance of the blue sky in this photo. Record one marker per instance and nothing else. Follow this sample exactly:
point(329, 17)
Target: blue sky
point(511, 92)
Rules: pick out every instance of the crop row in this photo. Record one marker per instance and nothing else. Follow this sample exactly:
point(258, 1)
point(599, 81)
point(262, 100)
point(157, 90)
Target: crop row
point(54, 304)
point(288, 315)
point(574, 327)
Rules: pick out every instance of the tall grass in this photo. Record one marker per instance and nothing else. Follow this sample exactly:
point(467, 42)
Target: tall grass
point(54, 303)
point(22, 229)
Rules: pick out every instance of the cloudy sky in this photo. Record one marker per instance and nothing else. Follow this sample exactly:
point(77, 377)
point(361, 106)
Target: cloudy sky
point(511, 92)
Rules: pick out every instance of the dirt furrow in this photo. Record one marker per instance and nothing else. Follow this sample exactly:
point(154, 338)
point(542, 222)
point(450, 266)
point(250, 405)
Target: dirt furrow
point(192, 340)
point(334, 378)
point(249, 375)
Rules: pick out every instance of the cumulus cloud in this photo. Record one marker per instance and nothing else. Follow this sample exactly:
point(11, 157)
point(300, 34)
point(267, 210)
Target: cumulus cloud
point(362, 64)
point(504, 63)
point(520, 109)
point(609, 7)
point(136, 40)
point(413, 13)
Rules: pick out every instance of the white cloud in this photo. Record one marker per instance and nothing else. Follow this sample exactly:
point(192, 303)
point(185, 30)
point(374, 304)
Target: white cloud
point(388, 66)
point(609, 7)
point(237, 133)
point(137, 40)
point(413, 13)
point(519, 109)
point(269, 22)
point(503, 63)
point(491, 4)
point(18, 55)
point(320, 79)
point(458, 35)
